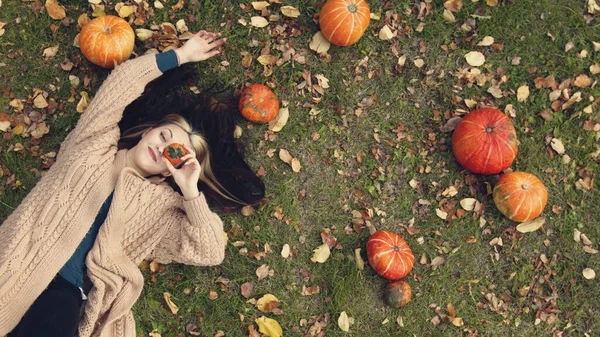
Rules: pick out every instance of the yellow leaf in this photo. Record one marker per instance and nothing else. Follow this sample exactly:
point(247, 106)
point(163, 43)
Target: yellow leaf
point(82, 20)
point(83, 102)
point(269, 327)
point(468, 203)
point(126, 11)
point(290, 11)
point(267, 59)
point(2, 24)
point(582, 80)
point(475, 58)
point(296, 165)
point(17, 130)
point(523, 93)
point(491, 3)
point(589, 273)
point(39, 101)
point(441, 214)
point(319, 43)
point(280, 120)
point(557, 145)
point(532, 225)
point(386, 33)
point(40, 130)
point(285, 156)
point(344, 322)
point(50, 52)
point(360, 263)
point(172, 306)
point(453, 5)
point(321, 253)
point(486, 41)
point(449, 16)
point(98, 10)
point(260, 5)
point(259, 21)
point(264, 303)
point(285, 251)
point(55, 11)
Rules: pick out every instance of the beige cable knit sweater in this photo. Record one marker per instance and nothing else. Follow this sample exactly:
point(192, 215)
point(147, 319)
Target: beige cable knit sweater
point(145, 219)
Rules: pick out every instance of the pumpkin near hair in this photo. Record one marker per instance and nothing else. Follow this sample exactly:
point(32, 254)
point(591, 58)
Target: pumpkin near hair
point(485, 141)
point(174, 152)
point(343, 22)
point(107, 40)
point(520, 196)
point(389, 255)
point(258, 104)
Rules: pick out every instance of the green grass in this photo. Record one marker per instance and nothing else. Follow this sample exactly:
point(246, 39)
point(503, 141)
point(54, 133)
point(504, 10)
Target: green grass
point(335, 182)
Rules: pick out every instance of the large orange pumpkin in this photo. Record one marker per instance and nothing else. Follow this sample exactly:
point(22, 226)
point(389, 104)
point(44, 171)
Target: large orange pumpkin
point(397, 294)
point(485, 141)
point(389, 255)
point(520, 196)
point(106, 40)
point(258, 104)
point(343, 22)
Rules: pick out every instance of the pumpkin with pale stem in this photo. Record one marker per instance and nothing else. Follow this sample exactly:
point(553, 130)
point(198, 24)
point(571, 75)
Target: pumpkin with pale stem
point(520, 196)
point(485, 141)
point(397, 294)
point(107, 40)
point(258, 104)
point(343, 22)
point(389, 255)
point(174, 152)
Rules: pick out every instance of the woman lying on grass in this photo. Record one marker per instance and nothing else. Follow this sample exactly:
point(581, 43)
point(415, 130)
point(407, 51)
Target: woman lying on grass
point(111, 200)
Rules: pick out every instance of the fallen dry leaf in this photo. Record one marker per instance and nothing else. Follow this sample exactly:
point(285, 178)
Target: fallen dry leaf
point(55, 10)
point(321, 254)
point(475, 58)
point(247, 289)
point(290, 11)
point(259, 21)
point(453, 5)
point(491, 3)
point(486, 41)
point(319, 43)
point(50, 52)
point(437, 261)
point(269, 327)
point(83, 102)
point(125, 11)
point(532, 225)
point(262, 271)
point(468, 203)
point(523, 93)
point(582, 80)
point(344, 322)
point(260, 5)
point(285, 251)
point(285, 156)
point(296, 165)
point(589, 273)
point(267, 303)
point(441, 214)
point(557, 145)
point(386, 33)
point(172, 306)
point(2, 30)
point(449, 16)
point(360, 263)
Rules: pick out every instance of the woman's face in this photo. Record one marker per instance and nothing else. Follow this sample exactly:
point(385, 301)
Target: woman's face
point(148, 151)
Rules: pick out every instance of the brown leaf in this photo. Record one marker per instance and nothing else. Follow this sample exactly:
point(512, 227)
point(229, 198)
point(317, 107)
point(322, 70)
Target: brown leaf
point(314, 289)
point(262, 271)
point(172, 306)
point(55, 11)
point(453, 5)
point(247, 289)
point(267, 303)
point(582, 80)
point(327, 238)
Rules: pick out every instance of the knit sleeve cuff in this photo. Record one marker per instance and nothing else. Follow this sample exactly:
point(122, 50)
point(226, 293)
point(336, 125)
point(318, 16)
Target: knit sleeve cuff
point(197, 210)
point(167, 60)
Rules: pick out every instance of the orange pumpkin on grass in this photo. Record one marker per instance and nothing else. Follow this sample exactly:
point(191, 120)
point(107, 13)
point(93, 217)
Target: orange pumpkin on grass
point(397, 294)
point(174, 152)
point(258, 104)
point(389, 255)
point(107, 40)
point(343, 22)
point(485, 141)
point(520, 196)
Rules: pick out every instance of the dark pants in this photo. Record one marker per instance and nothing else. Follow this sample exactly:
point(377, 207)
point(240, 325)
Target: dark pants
point(55, 313)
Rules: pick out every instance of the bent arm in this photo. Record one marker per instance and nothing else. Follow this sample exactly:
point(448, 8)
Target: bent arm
point(196, 239)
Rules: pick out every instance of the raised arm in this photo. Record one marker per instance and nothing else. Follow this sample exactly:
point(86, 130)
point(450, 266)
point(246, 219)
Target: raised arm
point(127, 82)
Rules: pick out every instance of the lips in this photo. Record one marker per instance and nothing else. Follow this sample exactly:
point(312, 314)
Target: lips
point(152, 154)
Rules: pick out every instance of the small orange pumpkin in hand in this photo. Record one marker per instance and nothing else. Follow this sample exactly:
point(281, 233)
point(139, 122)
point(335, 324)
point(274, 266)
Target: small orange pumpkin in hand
point(174, 152)
point(258, 104)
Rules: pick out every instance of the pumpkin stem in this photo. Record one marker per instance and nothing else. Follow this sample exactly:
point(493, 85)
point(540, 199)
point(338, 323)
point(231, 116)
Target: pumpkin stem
point(352, 8)
point(489, 129)
point(107, 30)
point(396, 249)
point(525, 186)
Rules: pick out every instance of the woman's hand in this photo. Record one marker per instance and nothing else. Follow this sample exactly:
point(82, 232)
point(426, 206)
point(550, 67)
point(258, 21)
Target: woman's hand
point(203, 45)
point(186, 177)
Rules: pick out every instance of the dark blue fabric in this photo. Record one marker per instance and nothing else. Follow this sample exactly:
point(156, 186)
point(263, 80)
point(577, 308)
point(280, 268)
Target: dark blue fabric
point(167, 60)
point(74, 269)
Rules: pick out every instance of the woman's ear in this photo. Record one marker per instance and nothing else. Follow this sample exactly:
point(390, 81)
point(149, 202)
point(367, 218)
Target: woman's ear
point(166, 174)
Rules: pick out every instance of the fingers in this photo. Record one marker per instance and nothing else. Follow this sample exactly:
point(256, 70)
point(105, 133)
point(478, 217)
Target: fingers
point(217, 44)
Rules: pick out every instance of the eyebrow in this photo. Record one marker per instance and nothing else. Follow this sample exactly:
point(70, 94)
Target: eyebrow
point(170, 132)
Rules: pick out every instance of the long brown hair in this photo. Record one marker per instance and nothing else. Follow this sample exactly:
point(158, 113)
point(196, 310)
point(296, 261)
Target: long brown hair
point(131, 137)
